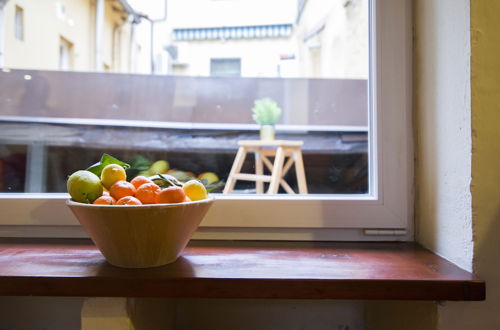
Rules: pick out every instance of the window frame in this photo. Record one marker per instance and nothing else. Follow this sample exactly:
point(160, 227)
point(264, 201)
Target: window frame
point(310, 217)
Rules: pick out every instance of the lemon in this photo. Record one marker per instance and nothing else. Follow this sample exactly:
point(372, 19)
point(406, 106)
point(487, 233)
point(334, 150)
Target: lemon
point(195, 190)
point(112, 173)
point(84, 186)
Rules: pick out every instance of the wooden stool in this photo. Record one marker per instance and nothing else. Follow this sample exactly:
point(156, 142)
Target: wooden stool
point(279, 149)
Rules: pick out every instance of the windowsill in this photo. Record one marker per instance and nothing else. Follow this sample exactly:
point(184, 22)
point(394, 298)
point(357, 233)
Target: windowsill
point(242, 269)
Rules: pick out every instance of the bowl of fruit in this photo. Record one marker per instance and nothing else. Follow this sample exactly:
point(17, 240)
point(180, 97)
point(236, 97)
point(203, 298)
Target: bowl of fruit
point(141, 223)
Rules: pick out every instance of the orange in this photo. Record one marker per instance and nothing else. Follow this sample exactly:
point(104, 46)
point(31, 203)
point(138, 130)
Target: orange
point(105, 200)
point(172, 194)
point(139, 181)
point(128, 200)
point(121, 189)
point(186, 199)
point(147, 193)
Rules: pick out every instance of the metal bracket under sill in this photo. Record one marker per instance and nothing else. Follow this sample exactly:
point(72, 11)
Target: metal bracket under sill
point(385, 232)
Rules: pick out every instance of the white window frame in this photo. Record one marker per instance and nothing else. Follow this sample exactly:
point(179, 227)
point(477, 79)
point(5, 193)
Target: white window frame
point(387, 208)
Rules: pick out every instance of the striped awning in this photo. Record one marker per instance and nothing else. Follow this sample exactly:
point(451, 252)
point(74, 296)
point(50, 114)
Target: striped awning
point(233, 32)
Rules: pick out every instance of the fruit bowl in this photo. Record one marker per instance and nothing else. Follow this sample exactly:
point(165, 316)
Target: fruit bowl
point(141, 236)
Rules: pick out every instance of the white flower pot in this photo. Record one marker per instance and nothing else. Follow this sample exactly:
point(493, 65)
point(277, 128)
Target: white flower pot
point(267, 132)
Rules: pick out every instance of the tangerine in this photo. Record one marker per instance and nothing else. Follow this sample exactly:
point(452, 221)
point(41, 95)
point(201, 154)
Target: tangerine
point(172, 194)
point(121, 189)
point(105, 200)
point(147, 193)
point(139, 181)
point(128, 200)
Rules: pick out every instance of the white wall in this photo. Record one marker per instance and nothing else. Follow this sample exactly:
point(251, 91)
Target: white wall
point(259, 57)
point(443, 128)
point(458, 115)
point(442, 104)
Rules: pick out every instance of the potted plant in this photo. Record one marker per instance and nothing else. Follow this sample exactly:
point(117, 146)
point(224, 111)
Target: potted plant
point(266, 112)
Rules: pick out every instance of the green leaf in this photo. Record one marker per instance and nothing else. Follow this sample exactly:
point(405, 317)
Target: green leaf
point(140, 163)
point(106, 160)
point(165, 180)
point(214, 186)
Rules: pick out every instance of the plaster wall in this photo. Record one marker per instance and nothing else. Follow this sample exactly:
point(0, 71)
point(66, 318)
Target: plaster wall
point(458, 140)
point(442, 105)
point(45, 26)
point(59, 313)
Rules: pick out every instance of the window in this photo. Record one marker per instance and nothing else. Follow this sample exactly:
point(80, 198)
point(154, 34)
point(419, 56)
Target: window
point(225, 67)
point(19, 24)
point(65, 55)
point(114, 110)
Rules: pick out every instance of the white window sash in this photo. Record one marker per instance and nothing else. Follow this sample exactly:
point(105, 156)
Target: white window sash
point(389, 203)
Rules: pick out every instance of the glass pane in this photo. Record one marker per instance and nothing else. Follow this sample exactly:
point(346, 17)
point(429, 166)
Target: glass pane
point(192, 86)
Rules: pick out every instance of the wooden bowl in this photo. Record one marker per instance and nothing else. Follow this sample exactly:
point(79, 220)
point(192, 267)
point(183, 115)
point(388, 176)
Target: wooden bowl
point(141, 236)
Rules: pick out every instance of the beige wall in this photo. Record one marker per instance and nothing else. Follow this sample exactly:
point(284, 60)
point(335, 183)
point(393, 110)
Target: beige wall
point(343, 51)
point(485, 186)
point(44, 28)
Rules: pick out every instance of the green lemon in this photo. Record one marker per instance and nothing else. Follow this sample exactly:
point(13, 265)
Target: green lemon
point(209, 177)
point(84, 186)
point(158, 167)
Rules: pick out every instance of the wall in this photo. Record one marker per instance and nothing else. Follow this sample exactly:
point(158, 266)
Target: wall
point(442, 104)
point(443, 137)
point(458, 207)
point(259, 57)
point(337, 39)
point(30, 313)
point(59, 313)
point(44, 42)
point(452, 211)
point(485, 185)
point(44, 27)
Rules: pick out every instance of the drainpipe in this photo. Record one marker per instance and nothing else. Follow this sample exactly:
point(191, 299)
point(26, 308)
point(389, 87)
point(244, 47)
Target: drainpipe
point(152, 22)
point(134, 18)
point(2, 32)
point(131, 56)
point(99, 23)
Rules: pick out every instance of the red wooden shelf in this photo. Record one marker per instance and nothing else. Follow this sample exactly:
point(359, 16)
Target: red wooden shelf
point(226, 269)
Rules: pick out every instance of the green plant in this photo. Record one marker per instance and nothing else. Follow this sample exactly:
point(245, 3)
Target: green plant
point(266, 111)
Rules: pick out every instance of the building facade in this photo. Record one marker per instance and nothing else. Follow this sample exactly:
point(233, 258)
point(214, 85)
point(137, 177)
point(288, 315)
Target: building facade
point(69, 35)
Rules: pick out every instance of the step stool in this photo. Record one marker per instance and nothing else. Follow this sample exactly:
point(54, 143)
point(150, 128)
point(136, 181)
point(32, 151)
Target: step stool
point(280, 150)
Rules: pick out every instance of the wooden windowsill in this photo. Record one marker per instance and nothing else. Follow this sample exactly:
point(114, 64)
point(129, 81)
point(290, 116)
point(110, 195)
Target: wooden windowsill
point(227, 269)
